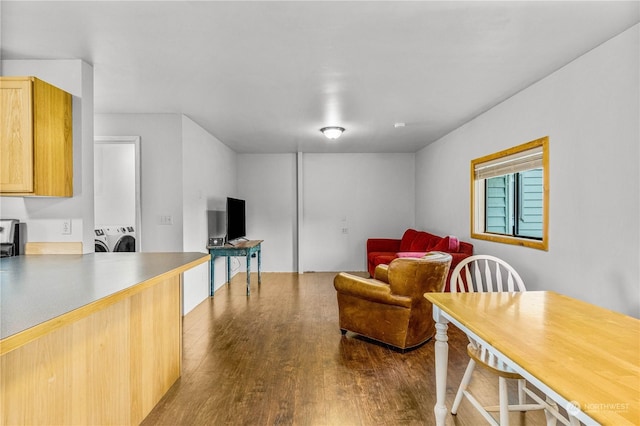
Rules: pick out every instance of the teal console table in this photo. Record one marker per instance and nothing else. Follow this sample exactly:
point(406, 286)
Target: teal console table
point(243, 248)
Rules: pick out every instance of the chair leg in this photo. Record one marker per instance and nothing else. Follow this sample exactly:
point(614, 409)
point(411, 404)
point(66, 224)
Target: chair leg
point(521, 395)
point(550, 417)
point(463, 386)
point(504, 401)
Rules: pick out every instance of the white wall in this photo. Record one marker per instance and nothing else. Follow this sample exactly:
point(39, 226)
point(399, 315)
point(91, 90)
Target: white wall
point(267, 182)
point(160, 169)
point(184, 172)
point(44, 216)
point(589, 109)
point(209, 171)
point(368, 195)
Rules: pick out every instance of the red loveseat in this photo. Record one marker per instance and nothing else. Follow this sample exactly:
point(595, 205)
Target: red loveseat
point(415, 244)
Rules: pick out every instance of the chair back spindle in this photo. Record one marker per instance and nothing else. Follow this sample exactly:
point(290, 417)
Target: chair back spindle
point(484, 273)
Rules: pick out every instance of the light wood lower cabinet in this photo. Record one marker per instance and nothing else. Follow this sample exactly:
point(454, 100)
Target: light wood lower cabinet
point(109, 367)
point(36, 138)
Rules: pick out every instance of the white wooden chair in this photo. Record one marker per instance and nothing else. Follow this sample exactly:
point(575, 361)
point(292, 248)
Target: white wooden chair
point(484, 273)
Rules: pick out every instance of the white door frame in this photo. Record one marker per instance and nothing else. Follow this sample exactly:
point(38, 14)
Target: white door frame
point(135, 140)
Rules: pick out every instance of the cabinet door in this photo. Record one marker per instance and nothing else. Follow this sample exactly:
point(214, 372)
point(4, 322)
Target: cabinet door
point(16, 136)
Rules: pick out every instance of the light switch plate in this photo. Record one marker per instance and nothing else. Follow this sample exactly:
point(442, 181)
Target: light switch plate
point(166, 219)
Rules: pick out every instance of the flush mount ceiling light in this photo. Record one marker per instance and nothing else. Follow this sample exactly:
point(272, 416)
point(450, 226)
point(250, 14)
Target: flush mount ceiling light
point(332, 132)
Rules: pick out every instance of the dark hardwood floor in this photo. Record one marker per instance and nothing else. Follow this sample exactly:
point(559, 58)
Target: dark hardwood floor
point(277, 358)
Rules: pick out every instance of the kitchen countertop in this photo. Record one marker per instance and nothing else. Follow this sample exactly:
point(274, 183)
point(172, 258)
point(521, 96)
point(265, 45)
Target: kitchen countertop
point(36, 289)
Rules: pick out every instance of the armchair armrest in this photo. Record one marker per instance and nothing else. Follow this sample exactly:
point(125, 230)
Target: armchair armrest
point(368, 289)
point(383, 244)
point(382, 273)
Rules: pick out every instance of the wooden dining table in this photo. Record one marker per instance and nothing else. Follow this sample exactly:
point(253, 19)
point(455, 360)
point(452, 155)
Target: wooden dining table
point(584, 357)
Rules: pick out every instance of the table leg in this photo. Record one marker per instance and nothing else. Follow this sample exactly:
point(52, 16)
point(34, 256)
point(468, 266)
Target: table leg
point(228, 270)
point(259, 263)
point(442, 360)
point(211, 269)
point(248, 272)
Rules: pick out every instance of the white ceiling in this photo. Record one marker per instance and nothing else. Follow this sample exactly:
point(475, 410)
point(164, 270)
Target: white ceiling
point(265, 76)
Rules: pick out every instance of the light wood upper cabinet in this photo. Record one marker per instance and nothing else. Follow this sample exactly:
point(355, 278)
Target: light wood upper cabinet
point(36, 138)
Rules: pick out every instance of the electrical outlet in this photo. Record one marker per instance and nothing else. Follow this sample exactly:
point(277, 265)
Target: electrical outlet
point(66, 227)
point(166, 219)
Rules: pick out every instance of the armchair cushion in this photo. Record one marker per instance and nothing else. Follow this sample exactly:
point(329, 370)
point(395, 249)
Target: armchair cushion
point(414, 254)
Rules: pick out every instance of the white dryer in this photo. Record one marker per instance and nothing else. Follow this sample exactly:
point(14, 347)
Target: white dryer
point(120, 238)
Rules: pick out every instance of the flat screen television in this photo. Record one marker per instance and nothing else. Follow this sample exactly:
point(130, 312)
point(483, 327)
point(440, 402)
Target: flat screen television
point(236, 220)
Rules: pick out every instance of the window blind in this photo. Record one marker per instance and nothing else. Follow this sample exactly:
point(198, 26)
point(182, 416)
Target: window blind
point(518, 162)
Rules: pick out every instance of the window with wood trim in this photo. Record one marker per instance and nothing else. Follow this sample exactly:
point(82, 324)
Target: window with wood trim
point(509, 195)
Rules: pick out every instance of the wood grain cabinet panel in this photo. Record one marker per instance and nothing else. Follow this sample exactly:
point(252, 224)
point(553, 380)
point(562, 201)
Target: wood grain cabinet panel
point(110, 367)
point(36, 138)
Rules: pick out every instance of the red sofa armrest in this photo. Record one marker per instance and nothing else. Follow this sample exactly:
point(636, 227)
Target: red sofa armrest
point(466, 248)
point(457, 258)
point(383, 244)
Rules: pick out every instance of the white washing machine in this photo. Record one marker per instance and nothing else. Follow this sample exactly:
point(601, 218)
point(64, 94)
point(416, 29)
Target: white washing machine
point(101, 241)
point(120, 238)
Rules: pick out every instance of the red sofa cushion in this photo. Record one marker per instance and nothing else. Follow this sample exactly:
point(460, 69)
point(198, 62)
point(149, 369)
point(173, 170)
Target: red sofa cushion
point(383, 258)
point(413, 240)
point(447, 244)
point(407, 239)
point(371, 257)
point(420, 242)
point(433, 241)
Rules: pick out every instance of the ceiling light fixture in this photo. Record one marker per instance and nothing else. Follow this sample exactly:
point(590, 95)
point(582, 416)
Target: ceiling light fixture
point(332, 132)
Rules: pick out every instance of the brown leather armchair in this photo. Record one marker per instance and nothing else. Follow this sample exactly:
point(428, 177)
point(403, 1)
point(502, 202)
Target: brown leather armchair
point(391, 307)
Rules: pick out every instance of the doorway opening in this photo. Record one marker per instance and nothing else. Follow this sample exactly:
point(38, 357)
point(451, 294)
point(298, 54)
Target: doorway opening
point(117, 204)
